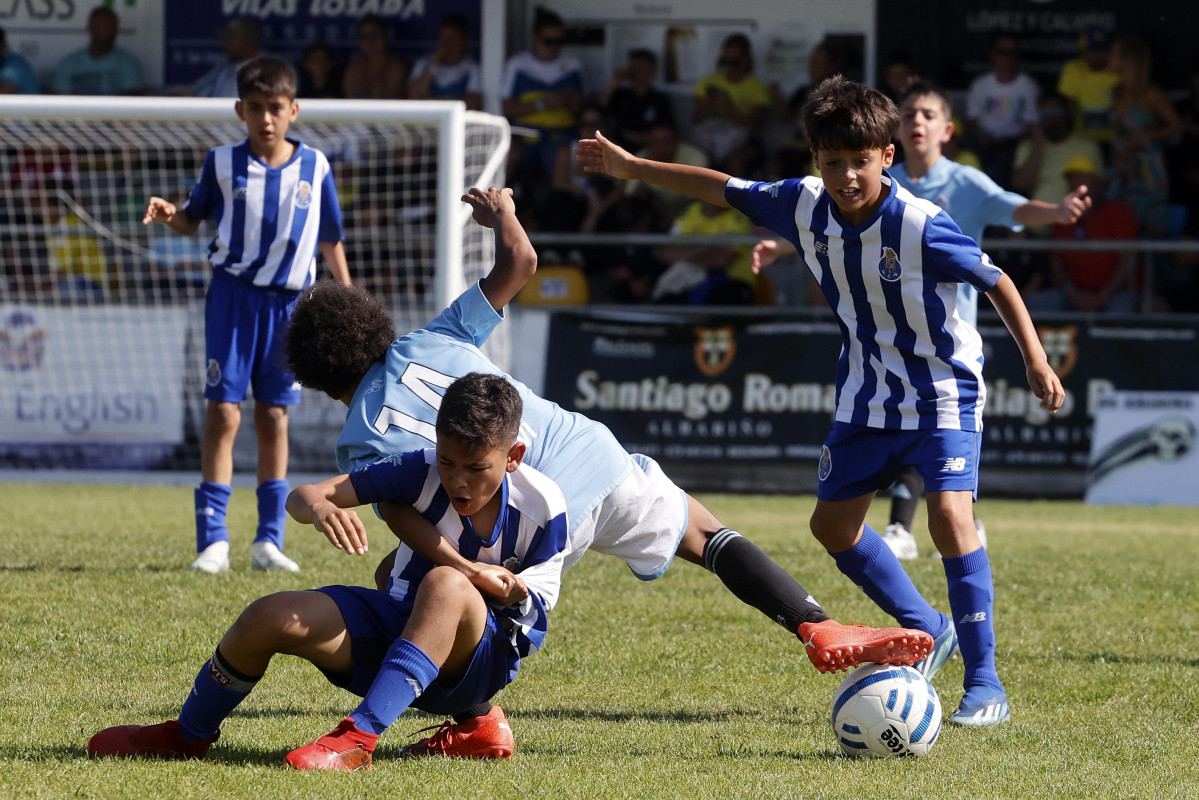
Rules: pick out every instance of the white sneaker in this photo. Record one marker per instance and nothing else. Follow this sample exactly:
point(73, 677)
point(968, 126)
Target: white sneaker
point(901, 541)
point(213, 559)
point(268, 558)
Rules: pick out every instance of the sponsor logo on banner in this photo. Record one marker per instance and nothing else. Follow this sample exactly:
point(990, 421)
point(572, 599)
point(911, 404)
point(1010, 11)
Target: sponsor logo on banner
point(1060, 348)
point(714, 349)
point(22, 342)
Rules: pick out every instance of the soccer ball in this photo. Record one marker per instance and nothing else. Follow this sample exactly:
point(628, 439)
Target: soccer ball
point(886, 711)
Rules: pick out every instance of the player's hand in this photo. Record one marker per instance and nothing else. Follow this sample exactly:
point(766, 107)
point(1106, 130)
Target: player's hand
point(1046, 385)
point(342, 527)
point(500, 583)
point(765, 253)
point(159, 210)
point(486, 206)
point(1073, 206)
point(604, 156)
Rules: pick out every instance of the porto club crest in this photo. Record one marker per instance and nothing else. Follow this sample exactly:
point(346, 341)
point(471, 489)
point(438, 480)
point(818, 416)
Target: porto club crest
point(888, 266)
point(22, 342)
point(714, 349)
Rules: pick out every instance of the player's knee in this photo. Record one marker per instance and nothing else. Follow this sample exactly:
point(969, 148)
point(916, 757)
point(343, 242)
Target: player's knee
point(270, 417)
point(226, 416)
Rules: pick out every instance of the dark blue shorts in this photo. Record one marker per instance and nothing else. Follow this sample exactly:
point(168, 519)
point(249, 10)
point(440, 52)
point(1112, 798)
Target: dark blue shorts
point(375, 620)
point(857, 460)
point(244, 330)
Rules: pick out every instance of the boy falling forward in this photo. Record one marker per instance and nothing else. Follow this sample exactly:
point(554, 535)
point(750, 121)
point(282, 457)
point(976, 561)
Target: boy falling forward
point(909, 378)
point(275, 207)
point(431, 640)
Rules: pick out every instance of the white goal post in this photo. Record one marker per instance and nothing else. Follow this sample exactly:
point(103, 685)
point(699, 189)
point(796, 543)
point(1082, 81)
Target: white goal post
point(101, 318)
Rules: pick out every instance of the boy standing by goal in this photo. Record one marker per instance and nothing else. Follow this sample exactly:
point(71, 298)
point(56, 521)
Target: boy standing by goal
point(909, 378)
point(431, 640)
point(275, 207)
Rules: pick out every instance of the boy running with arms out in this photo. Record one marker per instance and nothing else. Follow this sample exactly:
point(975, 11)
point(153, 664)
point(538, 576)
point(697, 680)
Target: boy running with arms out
point(275, 207)
point(909, 378)
point(342, 342)
point(431, 641)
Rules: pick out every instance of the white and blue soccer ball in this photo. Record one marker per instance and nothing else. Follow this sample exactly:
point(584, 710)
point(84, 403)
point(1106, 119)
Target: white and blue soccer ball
point(886, 711)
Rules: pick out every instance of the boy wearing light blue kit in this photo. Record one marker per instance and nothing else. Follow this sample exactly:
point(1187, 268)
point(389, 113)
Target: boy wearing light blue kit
point(909, 377)
point(275, 208)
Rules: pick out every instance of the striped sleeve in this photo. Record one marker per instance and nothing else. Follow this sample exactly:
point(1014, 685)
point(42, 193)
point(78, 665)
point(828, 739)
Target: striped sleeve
point(399, 477)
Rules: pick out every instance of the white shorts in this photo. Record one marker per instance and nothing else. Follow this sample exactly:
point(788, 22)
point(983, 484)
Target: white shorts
point(640, 522)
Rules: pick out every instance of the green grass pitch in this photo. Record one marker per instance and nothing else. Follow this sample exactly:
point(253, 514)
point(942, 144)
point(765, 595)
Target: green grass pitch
point(669, 689)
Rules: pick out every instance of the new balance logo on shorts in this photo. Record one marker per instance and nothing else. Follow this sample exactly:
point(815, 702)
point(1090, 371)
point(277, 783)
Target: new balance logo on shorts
point(954, 465)
point(977, 616)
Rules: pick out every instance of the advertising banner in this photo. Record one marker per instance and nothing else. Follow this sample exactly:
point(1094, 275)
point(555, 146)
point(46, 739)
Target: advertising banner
point(1143, 450)
point(91, 387)
point(762, 388)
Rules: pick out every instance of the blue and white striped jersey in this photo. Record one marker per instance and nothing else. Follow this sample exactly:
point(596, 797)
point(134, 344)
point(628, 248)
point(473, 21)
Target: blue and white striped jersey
point(450, 81)
point(529, 537)
point(908, 361)
point(270, 220)
point(394, 410)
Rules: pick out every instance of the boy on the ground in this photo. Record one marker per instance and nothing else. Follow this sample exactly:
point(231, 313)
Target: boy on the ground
point(341, 341)
point(275, 206)
point(975, 202)
point(431, 641)
point(909, 378)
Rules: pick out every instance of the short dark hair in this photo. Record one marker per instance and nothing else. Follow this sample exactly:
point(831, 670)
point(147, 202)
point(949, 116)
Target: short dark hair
point(336, 333)
point(643, 54)
point(919, 87)
point(378, 20)
point(845, 115)
point(455, 20)
point(272, 77)
point(481, 411)
point(545, 18)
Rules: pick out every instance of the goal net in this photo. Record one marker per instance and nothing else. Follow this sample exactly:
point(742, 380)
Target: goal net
point(102, 318)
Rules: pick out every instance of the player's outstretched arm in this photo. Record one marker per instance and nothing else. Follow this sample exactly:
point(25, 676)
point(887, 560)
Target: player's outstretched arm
point(335, 257)
point(418, 533)
point(604, 156)
point(1043, 381)
point(515, 258)
point(328, 506)
point(767, 251)
point(1067, 212)
point(161, 210)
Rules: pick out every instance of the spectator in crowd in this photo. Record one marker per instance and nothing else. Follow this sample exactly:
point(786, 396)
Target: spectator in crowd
point(376, 73)
point(542, 90)
point(1182, 155)
point(1041, 159)
point(708, 274)
point(16, 75)
point(242, 40)
point(30, 274)
point(632, 104)
point(898, 73)
point(824, 61)
point(664, 145)
point(101, 68)
point(579, 198)
point(449, 73)
point(320, 73)
point(1087, 82)
point(730, 108)
point(1091, 280)
point(1001, 108)
point(1145, 122)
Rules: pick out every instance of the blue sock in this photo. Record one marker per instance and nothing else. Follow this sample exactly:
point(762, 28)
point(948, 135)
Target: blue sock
point(406, 672)
point(217, 691)
point(212, 500)
point(272, 511)
point(872, 566)
point(972, 601)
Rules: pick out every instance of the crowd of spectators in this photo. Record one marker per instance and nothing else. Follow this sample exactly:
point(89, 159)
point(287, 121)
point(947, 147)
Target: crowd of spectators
point(1104, 123)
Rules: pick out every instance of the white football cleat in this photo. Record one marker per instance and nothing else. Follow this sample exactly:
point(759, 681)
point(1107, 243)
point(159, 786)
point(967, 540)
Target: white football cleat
point(213, 559)
point(269, 558)
point(901, 541)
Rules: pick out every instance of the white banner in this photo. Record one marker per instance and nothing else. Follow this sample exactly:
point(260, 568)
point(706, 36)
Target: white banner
point(1143, 449)
point(102, 375)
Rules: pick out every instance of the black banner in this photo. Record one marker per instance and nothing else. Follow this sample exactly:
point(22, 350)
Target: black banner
point(761, 389)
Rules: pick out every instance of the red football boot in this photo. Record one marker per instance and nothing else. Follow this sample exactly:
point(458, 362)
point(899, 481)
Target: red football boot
point(344, 749)
point(488, 736)
point(832, 646)
point(163, 740)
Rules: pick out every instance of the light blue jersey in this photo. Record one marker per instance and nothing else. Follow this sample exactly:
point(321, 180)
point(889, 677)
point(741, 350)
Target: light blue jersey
point(973, 200)
point(270, 220)
point(908, 360)
point(529, 536)
point(116, 72)
point(394, 410)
